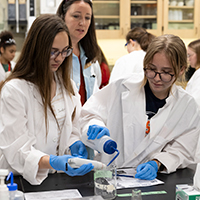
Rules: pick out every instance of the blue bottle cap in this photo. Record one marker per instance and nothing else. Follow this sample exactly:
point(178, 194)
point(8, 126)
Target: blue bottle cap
point(110, 146)
point(11, 186)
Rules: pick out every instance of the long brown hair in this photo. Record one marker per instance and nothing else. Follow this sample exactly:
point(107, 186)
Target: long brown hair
point(89, 42)
point(33, 63)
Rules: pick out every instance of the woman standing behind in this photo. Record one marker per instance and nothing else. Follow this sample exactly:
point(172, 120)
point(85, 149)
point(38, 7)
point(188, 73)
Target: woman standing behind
point(78, 16)
point(138, 40)
point(193, 53)
point(40, 106)
point(7, 53)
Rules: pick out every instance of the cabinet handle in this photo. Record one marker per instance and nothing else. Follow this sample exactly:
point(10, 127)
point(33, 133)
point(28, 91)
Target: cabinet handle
point(122, 31)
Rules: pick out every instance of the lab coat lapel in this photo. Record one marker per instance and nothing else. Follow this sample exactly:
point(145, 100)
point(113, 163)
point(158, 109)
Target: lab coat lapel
point(132, 105)
point(35, 92)
point(156, 124)
point(67, 129)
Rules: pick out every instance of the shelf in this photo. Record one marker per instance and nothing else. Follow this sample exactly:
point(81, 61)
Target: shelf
point(181, 21)
point(143, 16)
point(94, 2)
point(144, 2)
point(106, 17)
point(181, 7)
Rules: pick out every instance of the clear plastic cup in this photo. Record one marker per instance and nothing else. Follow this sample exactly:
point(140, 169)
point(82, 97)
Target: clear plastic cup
point(105, 183)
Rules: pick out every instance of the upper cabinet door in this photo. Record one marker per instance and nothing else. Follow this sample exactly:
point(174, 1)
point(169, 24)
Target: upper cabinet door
point(113, 19)
point(181, 18)
point(107, 18)
point(146, 14)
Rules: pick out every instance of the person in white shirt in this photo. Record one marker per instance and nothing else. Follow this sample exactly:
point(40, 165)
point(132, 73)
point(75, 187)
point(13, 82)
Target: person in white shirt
point(155, 123)
point(138, 40)
point(40, 106)
point(193, 54)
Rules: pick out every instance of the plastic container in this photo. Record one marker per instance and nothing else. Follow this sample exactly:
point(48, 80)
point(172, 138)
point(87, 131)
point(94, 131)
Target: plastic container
point(4, 193)
point(103, 144)
point(136, 195)
point(14, 194)
point(105, 183)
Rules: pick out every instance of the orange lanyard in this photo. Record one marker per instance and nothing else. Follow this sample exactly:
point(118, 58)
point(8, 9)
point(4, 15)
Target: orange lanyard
point(147, 127)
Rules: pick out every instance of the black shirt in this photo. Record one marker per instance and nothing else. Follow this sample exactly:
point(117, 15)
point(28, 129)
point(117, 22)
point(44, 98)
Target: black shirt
point(152, 102)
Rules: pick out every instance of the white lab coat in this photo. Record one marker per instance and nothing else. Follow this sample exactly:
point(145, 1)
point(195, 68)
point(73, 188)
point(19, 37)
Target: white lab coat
point(23, 139)
point(193, 86)
point(128, 64)
point(121, 107)
point(3, 74)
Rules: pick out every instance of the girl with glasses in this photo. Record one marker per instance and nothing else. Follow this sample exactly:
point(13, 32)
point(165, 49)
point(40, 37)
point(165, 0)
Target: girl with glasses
point(40, 106)
point(7, 54)
point(155, 123)
point(79, 18)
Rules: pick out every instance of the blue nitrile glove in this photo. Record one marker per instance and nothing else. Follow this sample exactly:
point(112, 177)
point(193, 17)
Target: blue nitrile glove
point(78, 149)
point(96, 131)
point(147, 171)
point(60, 162)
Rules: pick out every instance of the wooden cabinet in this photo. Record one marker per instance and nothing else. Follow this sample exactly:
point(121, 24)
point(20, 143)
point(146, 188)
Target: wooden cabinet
point(115, 18)
point(181, 18)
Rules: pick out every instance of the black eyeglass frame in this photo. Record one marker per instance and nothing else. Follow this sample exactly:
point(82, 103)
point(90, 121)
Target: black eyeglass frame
point(68, 50)
point(159, 73)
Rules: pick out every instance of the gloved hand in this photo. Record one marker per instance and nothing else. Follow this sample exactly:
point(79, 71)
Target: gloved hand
point(96, 131)
point(147, 170)
point(79, 149)
point(60, 162)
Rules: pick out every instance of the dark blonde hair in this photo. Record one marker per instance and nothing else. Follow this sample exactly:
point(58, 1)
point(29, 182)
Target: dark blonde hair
point(34, 62)
point(195, 46)
point(89, 42)
point(174, 49)
point(140, 35)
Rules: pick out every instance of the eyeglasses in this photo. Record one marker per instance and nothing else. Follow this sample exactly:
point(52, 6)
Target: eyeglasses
point(126, 44)
point(151, 74)
point(64, 53)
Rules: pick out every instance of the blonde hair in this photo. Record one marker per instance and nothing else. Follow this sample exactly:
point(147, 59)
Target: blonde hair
point(174, 49)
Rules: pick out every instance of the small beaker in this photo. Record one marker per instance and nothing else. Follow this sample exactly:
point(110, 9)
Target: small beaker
point(136, 194)
point(105, 182)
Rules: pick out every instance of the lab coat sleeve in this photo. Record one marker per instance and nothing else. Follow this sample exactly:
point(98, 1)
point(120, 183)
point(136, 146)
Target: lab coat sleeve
point(180, 152)
point(16, 141)
point(95, 110)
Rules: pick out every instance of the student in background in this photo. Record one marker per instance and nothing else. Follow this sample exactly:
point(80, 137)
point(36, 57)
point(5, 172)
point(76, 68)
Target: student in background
point(40, 106)
point(155, 123)
point(137, 41)
point(79, 18)
point(193, 54)
point(193, 74)
point(7, 54)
